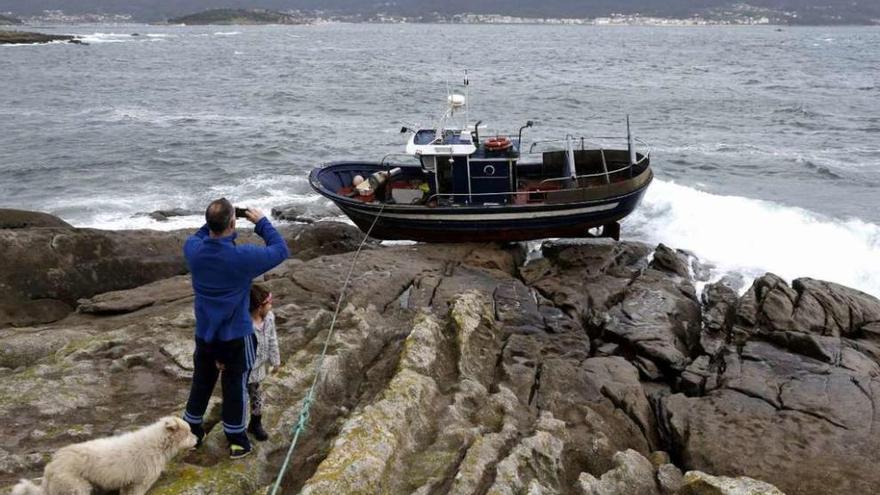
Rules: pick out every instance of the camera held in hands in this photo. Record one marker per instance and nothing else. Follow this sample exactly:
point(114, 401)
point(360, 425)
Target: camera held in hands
point(240, 212)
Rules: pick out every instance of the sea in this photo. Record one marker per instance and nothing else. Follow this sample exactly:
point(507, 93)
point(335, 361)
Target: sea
point(765, 140)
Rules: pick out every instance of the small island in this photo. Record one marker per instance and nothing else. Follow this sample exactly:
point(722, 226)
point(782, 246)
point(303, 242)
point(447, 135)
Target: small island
point(24, 37)
point(227, 17)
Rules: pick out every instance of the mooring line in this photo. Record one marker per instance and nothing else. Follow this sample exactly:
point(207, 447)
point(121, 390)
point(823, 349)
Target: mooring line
point(309, 399)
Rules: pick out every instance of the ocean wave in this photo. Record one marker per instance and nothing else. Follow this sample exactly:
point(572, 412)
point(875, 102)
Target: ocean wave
point(107, 38)
point(820, 170)
point(227, 33)
point(265, 191)
point(751, 237)
point(157, 116)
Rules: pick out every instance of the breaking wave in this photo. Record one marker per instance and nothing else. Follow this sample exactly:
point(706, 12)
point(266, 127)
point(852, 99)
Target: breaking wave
point(751, 237)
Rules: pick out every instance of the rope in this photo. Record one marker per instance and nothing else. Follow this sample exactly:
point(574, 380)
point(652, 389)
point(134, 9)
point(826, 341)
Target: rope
point(309, 399)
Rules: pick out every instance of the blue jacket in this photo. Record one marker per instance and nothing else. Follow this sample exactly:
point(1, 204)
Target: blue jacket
point(221, 277)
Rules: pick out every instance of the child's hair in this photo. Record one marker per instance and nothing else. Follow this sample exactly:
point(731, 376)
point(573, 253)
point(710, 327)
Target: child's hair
point(258, 295)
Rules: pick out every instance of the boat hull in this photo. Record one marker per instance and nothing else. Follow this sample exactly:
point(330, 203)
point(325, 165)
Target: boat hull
point(488, 223)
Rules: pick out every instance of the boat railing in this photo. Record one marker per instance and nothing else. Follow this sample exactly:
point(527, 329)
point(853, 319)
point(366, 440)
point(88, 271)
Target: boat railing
point(590, 142)
point(570, 143)
point(606, 174)
point(530, 194)
point(394, 155)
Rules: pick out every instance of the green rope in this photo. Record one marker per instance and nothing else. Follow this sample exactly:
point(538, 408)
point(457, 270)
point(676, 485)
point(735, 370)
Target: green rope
point(305, 409)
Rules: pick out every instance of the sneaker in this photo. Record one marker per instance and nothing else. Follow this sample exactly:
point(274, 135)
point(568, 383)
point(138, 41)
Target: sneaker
point(238, 451)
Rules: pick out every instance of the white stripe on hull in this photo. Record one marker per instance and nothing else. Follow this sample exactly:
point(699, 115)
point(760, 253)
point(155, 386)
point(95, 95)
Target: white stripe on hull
point(476, 217)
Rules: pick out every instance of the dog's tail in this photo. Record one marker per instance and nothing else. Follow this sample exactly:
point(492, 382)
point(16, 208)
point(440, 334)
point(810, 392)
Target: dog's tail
point(25, 487)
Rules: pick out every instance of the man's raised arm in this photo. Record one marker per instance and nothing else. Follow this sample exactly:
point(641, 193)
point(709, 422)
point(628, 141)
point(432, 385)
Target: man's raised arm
point(261, 260)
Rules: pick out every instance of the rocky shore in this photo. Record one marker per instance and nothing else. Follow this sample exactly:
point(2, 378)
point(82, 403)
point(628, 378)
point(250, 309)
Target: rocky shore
point(594, 369)
point(24, 37)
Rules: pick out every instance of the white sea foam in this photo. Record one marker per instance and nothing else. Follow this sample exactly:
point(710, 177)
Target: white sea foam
point(107, 38)
point(752, 237)
point(227, 33)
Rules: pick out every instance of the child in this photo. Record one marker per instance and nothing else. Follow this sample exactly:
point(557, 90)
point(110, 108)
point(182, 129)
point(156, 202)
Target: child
point(267, 355)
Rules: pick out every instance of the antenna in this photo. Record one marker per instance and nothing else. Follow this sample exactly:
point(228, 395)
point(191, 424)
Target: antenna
point(466, 100)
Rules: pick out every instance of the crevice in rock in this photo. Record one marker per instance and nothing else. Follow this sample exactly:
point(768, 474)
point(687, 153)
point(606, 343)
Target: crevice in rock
point(664, 431)
point(327, 419)
point(624, 407)
point(536, 383)
point(870, 398)
point(434, 293)
point(782, 407)
point(499, 366)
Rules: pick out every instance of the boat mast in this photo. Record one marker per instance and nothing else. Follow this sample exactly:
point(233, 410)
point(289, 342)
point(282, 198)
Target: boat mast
point(466, 101)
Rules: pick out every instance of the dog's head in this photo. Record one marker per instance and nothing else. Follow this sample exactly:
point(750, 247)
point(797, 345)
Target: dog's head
point(178, 432)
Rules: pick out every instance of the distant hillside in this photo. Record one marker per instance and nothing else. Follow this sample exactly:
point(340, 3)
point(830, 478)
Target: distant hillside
point(8, 21)
point(235, 16)
point(780, 11)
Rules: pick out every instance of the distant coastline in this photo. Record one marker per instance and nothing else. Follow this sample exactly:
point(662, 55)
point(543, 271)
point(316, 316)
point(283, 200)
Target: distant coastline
point(740, 15)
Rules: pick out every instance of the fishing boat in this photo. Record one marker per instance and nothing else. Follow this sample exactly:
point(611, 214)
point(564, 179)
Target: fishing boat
point(455, 183)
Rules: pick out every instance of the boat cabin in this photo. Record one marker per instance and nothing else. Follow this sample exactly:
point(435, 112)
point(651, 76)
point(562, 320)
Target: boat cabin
point(461, 169)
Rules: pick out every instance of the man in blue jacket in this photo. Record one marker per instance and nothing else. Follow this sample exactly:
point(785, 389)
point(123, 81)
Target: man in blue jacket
point(221, 277)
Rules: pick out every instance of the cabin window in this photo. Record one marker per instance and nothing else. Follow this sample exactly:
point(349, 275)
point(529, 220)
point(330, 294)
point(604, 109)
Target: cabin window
point(429, 163)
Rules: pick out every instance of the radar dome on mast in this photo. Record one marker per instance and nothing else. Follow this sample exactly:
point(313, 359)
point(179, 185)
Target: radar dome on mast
point(456, 100)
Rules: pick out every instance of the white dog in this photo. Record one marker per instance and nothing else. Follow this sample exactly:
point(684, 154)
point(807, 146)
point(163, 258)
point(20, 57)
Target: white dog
point(130, 462)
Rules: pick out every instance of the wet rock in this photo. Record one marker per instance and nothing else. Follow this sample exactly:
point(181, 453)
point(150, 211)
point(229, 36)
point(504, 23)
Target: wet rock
point(22, 219)
point(590, 276)
point(720, 302)
point(305, 213)
point(657, 320)
point(164, 215)
point(697, 483)
point(327, 238)
point(670, 260)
